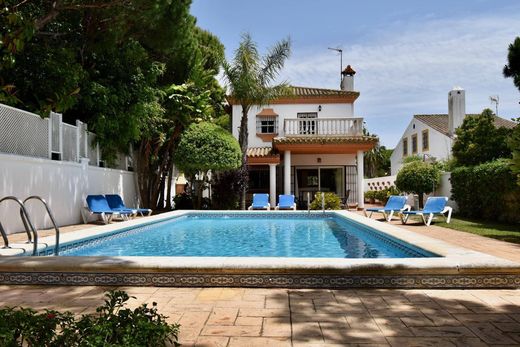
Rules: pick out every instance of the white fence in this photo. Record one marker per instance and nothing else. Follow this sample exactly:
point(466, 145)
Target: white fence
point(27, 134)
point(59, 162)
point(444, 188)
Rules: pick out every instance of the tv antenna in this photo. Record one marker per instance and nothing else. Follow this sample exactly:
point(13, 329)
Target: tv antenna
point(494, 100)
point(340, 51)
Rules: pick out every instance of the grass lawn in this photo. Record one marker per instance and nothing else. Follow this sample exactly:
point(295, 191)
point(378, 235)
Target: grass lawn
point(495, 230)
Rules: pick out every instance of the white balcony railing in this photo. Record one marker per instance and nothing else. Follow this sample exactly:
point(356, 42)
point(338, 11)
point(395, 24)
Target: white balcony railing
point(323, 127)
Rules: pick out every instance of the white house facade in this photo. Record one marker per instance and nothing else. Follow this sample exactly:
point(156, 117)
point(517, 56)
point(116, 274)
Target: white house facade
point(431, 136)
point(307, 142)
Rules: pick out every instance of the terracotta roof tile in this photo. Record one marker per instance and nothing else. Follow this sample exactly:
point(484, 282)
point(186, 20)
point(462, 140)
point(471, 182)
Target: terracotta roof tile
point(267, 112)
point(261, 152)
point(312, 92)
point(439, 122)
point(304, 95)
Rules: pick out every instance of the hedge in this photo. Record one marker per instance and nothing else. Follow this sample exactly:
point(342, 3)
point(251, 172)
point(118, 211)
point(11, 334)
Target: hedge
point(487, 191)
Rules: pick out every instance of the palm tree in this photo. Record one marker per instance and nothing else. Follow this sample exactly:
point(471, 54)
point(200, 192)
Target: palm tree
point(249, 77)
point(373, 158)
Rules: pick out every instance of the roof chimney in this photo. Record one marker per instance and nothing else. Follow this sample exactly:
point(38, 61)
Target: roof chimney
point(347, 81)
point(456, 109)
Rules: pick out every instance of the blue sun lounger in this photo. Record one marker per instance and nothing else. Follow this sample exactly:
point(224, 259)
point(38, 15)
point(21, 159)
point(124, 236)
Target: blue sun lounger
point(434, 205)
point(286, 202)
point(98, 205)
point(395, 204)
point(260, 202)
point(116, 203)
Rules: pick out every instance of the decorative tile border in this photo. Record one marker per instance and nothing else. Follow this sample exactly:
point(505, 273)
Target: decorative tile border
point(261, 280)
point(412, 250)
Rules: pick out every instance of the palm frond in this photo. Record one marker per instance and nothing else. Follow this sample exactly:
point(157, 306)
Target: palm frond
point(274, 61)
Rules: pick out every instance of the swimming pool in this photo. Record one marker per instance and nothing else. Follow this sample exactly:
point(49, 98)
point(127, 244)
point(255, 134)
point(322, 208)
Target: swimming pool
point(297, 235)
point(425, 263)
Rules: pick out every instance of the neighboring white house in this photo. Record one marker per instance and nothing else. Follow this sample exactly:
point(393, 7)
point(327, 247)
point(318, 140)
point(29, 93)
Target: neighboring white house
point(431, 135)
point(307, 142)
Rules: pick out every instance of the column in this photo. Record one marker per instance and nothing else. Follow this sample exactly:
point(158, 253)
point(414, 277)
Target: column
point(272, 185)
point(360, 174)
point(287, 172)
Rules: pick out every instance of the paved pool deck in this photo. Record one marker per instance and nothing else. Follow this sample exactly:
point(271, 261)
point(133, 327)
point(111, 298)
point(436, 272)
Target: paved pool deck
point(302, 317)
point(316, 317)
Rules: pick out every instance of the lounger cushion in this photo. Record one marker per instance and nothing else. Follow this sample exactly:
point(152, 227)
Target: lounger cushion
point(98, 204)
point(286, 201)
point(260, 200)
point(116, 203)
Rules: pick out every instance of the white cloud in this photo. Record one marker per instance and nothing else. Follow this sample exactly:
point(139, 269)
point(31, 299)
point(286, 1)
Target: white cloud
point(402, 72)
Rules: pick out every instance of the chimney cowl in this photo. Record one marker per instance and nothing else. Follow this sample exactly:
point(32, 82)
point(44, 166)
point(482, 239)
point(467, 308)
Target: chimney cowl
point(348, 71)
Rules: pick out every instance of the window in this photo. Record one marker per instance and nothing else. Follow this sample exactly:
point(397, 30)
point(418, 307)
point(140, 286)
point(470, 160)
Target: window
point(425, 140)
point(405, 147)
point(414, 143)
point(307, 123)
point(267, 125)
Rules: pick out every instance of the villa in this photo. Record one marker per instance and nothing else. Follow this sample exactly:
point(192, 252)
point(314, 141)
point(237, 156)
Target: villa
point(307, 142)
point(431, 135)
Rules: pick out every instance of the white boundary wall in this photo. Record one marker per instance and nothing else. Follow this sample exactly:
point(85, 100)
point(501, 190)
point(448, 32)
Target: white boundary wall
point(379, 183)
point(64, 185)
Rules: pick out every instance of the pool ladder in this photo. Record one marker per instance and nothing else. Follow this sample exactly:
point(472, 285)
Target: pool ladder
point(322, 203)
point(29, 226)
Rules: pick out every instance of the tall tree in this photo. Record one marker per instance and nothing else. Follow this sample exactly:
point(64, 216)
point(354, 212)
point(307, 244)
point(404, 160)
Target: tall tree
point(479, 141)
point(514, 144)
point(249, 78)
point(512, 69)
point(136, 71)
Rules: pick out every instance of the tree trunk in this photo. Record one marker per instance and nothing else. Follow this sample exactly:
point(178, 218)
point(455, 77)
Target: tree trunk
point(242, 140)
point(152, 173)
point(169, 189)
point(421, 198)
point(200, 189)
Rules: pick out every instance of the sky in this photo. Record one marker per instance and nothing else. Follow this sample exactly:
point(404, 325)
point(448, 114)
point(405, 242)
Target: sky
point(408, 54)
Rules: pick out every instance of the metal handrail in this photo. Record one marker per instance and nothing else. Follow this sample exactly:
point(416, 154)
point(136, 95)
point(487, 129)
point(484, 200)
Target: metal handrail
point(57, 244)
point(27, 223)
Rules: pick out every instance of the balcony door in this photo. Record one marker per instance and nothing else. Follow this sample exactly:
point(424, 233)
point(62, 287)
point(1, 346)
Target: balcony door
point(307, 123)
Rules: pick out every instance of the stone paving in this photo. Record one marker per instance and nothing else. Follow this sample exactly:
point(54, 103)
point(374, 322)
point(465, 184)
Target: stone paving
point(281, 317)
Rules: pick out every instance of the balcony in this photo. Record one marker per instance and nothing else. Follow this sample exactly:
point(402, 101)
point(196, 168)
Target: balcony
point(309, 127)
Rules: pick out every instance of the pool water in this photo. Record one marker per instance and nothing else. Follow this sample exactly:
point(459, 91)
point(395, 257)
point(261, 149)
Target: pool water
point(247, 235)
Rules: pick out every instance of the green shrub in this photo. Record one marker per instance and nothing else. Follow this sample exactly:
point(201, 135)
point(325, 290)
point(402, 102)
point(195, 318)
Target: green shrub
point(332, 201)
point(113, 325)
point(183, 201)
point(487, 191)
point(382, 195)
point(370, 195)
point(225, 189)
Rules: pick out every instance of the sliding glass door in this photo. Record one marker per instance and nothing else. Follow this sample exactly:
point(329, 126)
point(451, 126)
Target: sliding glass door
point(310, 180)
